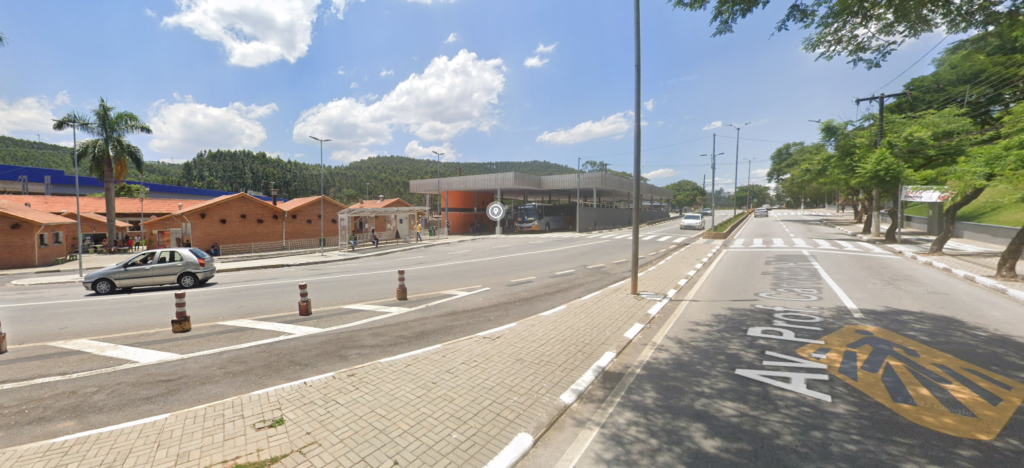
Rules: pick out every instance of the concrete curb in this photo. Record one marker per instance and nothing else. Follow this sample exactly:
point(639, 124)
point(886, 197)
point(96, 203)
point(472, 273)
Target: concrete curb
point(979, 280)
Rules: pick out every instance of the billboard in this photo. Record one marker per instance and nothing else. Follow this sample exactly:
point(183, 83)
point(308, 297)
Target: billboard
point(926, 193)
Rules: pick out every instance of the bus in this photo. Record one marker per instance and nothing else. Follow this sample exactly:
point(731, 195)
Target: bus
point(542, 217)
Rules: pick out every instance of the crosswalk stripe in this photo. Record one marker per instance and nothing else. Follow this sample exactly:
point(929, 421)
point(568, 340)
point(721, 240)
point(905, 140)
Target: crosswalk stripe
point(607, 236)
point(273, 326)
point(678, 240)
point(737, 243)
point(800, 243)
point(776, 242)
point(128, 353)
point(663, 239)
point(871, 247)
point(824, 244)
point(649, 237)
point(847, 246)
point(623, 236)
point(757, 243)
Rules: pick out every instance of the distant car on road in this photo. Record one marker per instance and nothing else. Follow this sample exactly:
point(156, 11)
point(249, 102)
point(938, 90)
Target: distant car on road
point(691, 221)
point(775, 207)
point(761, 213)
point(705, 212)
point(186, 267)
point(766, 207)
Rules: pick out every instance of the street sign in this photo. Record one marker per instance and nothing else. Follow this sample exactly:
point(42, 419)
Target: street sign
point(495, 211)
point(928, 194)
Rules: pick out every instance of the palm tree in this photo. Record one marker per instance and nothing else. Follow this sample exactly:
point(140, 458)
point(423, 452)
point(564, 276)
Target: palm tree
point(3, 41)
point(110, 153)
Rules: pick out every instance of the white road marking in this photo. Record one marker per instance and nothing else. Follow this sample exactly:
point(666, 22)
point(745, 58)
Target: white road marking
point(573, 393)
point(678, 240)
point(410, 353)
point(618, 261)
point(649, 237)
point(691, 273)
point(835, 287)
point(620, 283)
point(588, 296)
point(672, 292)
point(504, 327)
point(565, 272)
point(607, 236)
point(513, 452)
point(682, 282)
point(377, 308)
point(738, 243)
point(523, 279)
point(599, 265)
point(847, 245)
point(633, 331)
point(776, 242)
point(824, 244)
point(556, 309)
point(273, 326)
point(800, 243)
point(623, 236)
point(289, 384)
point(657, 307)
point(872, 247)
point(459, 252)
point(663, 239)
point(108, 428)
point(757, 243)
point(128, 353)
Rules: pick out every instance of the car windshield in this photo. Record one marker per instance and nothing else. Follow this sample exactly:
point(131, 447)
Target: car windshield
point(692, 217)
point(526, 215)
point(200, 254)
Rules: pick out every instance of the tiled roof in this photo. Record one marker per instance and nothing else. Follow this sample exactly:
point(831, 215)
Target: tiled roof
point(30, 215)
point(55, 204)
point(385, 203)
point(300, 202)
point(96, 217)
point(214, 201)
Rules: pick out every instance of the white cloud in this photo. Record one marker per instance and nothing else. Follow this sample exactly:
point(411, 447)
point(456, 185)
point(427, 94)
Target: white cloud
point(715, 124)
point(649, 104)
point(256, 32)
point(150, 13)
point(347, 156)
point(543, 49)
point(535, 61)
point(661, 173)
point(614, 125)
point(414, 150)
point(338, 7)
point(30, 115)
point(187, 127)
point(451, 38)
point(353, 85)
point(341, 70)
point(448, 98)
point(384, 73)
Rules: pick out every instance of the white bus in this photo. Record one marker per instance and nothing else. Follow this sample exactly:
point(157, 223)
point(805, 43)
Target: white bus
point(544, 218)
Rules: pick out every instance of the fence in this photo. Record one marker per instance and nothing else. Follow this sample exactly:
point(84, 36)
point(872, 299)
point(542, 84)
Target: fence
point(988, 233)
point(276, 246)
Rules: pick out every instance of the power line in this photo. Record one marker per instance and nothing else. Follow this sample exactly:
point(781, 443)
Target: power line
point(912, 65)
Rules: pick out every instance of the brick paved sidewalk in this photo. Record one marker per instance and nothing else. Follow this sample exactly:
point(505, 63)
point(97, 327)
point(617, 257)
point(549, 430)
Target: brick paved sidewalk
point(477, 401)
point(978, 266)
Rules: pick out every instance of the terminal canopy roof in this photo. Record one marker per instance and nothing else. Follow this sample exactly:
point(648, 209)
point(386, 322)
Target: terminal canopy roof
point(517, 185)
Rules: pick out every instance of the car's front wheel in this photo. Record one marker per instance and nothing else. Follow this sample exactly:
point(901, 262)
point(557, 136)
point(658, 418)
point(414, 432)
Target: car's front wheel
point(103, 287)
point(188, 281)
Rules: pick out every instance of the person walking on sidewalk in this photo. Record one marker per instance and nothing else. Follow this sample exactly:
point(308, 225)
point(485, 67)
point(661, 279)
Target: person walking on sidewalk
point(419, 238)
point(373, 238)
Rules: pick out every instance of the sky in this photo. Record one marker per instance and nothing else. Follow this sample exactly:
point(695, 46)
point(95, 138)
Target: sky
point(477, 80)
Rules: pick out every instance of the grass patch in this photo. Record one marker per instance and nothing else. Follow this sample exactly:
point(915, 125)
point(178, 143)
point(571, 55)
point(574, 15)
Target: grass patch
point(1001, 206)
point(724, 225)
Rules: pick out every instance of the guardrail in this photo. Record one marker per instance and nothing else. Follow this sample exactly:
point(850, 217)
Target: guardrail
point(277, 246)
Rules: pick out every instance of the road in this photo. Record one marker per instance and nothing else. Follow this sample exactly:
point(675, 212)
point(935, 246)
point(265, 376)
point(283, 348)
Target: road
point(800, 347)
point(79, 362)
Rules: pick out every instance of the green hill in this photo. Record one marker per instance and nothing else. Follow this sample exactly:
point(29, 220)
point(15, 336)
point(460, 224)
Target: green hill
point(239, 170)
point(997, 205)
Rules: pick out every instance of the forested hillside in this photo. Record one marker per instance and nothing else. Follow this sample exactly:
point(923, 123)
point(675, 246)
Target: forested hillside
point(238, 170)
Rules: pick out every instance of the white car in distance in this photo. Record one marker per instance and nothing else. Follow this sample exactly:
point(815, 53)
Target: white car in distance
point(692, 221)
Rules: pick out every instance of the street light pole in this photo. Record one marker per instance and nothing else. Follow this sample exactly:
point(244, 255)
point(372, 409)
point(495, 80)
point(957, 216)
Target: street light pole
point(578, 193)
point(439, 194)
point(78, 209)
point(321, 241)
point(634, 263)
point(736, 175)
point(748, 179)
point(714, 157)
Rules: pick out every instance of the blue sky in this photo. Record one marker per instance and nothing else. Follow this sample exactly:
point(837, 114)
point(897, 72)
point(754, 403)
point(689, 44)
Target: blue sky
point(478, 80)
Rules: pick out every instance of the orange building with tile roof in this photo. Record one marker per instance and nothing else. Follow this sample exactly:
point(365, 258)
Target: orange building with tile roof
point(32, 238)
point(363, 226)
point(128, 209)
point(229, 219)
point(303, 217)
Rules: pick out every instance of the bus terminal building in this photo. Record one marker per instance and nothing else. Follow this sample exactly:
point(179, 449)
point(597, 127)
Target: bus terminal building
point(605, 200)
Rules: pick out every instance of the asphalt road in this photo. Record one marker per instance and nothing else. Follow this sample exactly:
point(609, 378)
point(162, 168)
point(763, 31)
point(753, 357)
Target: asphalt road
point(44, 394)
point(918, 368)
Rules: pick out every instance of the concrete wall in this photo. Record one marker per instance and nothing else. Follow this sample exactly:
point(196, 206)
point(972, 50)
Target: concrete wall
point(596, 219)
point(988, 233)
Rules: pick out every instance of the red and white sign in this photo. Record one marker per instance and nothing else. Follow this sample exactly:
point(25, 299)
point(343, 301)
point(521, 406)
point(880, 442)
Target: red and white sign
point(927, 194)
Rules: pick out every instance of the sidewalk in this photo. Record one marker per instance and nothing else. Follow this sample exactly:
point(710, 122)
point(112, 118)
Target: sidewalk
point(972, 260)
point(225, 264)
point(476, 401)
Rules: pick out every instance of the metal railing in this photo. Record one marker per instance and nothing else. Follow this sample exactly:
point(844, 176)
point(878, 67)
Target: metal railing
point(277, 246)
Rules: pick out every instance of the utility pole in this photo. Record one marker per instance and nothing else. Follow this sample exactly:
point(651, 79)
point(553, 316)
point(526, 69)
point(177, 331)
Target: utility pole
point(322, 241)
point(704, 188)
point(577, 194)
point(634, 262)
point(439, 196)
point(876, 217)
point(736, 173)
point(78, 210)
point(714, 156)
point(748, 180)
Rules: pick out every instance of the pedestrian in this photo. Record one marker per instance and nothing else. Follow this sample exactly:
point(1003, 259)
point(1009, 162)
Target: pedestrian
point(131, 245)
point(447, 227)
point(419, 238)
point(352, 241)
point(373, 238)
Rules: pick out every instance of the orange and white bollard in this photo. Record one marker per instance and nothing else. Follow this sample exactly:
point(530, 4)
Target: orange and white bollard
point(3, 340)
point(305, 305)
point(181, 322)
point(402, 293)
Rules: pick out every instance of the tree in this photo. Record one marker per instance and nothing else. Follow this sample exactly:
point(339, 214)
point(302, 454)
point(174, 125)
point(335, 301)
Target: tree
point(865, 32)
point(686, 193)
point(759, 195)
point(3, 40)
point(108, 155)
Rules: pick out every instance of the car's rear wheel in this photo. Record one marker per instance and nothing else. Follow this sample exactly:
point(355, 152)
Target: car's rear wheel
point(103, 287)
point(188, 281)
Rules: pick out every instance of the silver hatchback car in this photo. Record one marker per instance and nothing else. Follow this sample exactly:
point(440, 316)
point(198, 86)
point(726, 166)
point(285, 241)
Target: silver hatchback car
point(186, 267)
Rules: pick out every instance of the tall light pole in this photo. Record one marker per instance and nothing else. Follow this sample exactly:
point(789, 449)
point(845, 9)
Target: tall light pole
point(367, 192)
point(321, 241)
point(634, 263)
point(748, 160)
point(439, 193)
point(736, 175)
point(78, 209)
point(714, 156)
point(578, 193)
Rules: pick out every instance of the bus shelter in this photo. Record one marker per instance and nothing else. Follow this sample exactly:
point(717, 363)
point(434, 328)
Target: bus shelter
point(390, 223)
